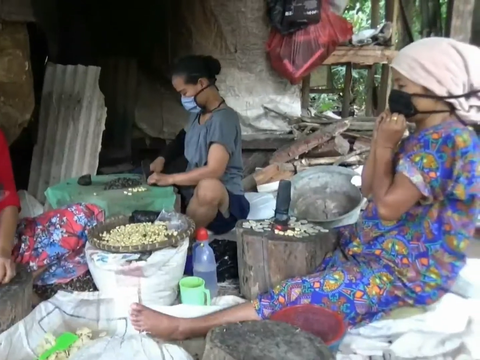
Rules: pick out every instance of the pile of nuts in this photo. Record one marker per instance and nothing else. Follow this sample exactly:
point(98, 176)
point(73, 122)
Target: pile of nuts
point(299, 229)
point(138, 234)
point(122, 183)
point(135, 189)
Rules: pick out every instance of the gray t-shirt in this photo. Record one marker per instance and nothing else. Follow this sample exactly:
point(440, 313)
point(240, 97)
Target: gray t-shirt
point(223, 128)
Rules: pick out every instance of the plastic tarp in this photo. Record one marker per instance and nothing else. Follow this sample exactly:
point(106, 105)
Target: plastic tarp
point(99, 313)
point(114, 202)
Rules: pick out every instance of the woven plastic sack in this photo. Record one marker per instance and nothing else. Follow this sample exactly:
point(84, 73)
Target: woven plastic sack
point(68, 311)
point(296, 55)
point(154, 280)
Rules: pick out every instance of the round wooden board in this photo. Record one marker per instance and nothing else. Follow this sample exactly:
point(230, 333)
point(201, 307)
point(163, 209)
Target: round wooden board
point(16, 299)
point(263, 340)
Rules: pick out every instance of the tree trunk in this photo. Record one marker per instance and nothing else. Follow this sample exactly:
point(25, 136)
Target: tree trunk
point(265, 259)
point(462, 16)
point(475, 40)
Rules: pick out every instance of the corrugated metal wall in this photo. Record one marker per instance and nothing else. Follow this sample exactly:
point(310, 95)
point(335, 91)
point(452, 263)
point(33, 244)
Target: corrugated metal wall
point(72, 120)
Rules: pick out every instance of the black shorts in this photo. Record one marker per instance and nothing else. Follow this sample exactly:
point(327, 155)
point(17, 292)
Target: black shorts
point(239, 207)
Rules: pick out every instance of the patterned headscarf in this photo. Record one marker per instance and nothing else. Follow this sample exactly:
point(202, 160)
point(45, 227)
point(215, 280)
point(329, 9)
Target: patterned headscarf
point(446, 67)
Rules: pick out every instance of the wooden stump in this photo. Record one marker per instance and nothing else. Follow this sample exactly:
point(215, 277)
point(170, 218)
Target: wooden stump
point(265, 259)
point(16, 299)
point(263, 340)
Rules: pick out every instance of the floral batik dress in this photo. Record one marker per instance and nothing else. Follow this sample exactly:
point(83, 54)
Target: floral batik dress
point(55, 241)
point(381, 265)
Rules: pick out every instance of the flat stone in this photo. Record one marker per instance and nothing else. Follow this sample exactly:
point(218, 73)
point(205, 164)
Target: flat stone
point(264, 340)
point(15, 299)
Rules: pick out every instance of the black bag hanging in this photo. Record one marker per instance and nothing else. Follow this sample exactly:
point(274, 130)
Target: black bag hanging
point(288, 16)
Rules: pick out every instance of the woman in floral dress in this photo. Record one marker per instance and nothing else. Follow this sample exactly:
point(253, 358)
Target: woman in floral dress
point(50, 245)
point(424, 190)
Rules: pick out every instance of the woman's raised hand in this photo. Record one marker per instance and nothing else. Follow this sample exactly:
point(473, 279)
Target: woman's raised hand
point(378, 121)
point(390, 131)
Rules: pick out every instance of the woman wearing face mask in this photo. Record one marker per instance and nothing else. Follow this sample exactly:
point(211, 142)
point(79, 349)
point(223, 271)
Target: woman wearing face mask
point(408, 247)
point(212, 145)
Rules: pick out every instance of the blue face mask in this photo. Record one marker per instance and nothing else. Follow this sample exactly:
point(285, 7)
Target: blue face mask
point(190, 104)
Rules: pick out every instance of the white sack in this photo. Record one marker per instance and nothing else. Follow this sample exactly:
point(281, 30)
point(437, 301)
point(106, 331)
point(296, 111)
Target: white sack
point(156, 279)
point(69, 311)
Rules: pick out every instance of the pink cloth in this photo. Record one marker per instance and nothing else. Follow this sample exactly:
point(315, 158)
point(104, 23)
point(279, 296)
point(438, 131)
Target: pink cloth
point(445, 67)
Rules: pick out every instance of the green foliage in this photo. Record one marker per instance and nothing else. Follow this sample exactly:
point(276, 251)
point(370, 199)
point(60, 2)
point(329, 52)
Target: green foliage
point(358, 14)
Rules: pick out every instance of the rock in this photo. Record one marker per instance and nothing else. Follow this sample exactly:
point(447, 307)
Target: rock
point(263, 340)
point(16, 299)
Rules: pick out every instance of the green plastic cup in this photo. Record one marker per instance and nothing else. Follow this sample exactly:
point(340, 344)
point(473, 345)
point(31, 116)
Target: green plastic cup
point(193, 292)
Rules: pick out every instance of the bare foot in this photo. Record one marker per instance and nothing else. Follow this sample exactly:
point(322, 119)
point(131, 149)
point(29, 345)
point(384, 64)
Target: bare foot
point(160, 325)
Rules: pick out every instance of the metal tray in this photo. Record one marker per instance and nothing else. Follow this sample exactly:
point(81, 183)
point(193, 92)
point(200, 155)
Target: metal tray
point(326, 185)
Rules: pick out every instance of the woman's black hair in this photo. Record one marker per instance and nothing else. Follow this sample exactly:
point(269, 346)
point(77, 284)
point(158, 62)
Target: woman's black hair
point(195, 67)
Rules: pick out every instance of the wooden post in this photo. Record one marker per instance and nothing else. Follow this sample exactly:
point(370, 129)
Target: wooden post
point(347, 91)
point(462, 16)
point(476, 24)
point(305, 100)
point(391, 15)
point(374, 23)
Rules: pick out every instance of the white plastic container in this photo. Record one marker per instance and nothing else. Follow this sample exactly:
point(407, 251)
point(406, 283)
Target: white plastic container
point(204, 264)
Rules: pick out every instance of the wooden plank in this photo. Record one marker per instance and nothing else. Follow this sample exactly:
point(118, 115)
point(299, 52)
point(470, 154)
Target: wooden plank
point(301, 146)
point(253, 159)
point(365, 55)
point(266, 141)
point(334, 147)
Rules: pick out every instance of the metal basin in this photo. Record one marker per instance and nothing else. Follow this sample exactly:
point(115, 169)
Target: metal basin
point(325, 195)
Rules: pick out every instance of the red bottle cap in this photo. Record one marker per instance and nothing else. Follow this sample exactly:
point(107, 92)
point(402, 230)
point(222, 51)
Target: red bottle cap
point(202, 234)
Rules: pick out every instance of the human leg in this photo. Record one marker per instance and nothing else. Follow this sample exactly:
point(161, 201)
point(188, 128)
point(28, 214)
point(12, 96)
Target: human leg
point(173, 328)
point(357, 290)
point(209, 198)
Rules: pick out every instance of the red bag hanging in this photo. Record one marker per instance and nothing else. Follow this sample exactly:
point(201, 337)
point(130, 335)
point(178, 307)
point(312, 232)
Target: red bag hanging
point(296, 55)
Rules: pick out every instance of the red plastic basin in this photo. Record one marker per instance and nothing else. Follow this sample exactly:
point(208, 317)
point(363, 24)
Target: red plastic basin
point(316, 320)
